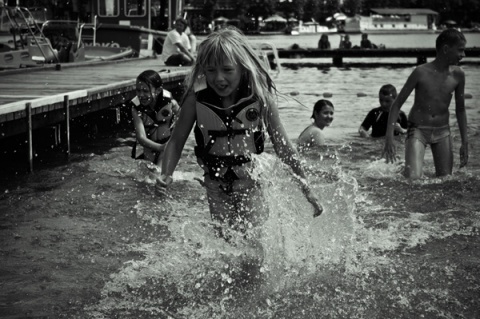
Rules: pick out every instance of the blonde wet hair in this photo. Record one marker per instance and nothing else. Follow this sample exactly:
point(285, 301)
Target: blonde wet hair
point(231, 44)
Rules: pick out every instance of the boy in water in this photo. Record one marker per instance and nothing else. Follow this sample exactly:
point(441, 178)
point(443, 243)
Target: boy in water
point(377, 118)
point(434, 84)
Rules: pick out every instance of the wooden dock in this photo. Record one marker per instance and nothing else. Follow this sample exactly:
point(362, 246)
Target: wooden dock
point(53, 95)
point(337, 55)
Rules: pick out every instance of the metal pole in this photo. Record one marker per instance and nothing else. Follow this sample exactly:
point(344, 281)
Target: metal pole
point(66, 107)
point(29, 137)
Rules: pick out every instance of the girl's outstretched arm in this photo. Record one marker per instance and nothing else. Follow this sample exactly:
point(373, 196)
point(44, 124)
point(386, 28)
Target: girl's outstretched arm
point(175, 145)
point(287, 153)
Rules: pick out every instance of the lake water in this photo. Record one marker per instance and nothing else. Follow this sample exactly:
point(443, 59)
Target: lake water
point(401, 40)
point(384, 248)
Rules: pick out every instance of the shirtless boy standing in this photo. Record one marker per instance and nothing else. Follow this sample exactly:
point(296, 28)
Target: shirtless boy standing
point(434, 83)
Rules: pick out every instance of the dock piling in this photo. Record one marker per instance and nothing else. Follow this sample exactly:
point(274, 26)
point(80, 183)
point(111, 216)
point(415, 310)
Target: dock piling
point(66, 130)
point(29, 136)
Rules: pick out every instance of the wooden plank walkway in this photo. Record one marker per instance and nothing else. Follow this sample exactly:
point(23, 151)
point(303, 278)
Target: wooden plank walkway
point(53, 95)
point(31, 83)
point(337, 55)
point(86, 85)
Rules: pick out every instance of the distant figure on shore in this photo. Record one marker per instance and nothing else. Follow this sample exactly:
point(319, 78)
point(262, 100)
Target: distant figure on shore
point(323, 43)
point(345, 42)
point(365, 42)
point(153, 112)
point(435, 84)
point(175, 48)
point(377, 118)
point(312, 135)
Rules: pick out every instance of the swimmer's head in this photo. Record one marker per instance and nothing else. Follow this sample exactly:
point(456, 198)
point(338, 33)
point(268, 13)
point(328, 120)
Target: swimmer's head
point(323, 113)
point(450, 37)
point(388, 89)
point(149, 86)
point(386, 96)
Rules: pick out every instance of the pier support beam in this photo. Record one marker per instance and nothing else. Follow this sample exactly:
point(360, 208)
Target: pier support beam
point(66, 130)
point(29, 136)
point(337, 61)
point(421, 60)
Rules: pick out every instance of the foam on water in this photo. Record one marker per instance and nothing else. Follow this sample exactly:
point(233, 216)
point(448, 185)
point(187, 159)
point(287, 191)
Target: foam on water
point(198, 275)
point(349, 262)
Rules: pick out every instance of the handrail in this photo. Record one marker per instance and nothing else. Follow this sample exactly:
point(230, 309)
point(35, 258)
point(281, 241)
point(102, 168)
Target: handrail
point(93, 27)
point(274, 50)
point(21, 10)
point(15, 27)
point(77, 28)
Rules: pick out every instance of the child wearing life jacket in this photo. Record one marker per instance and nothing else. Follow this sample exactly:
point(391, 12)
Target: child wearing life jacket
point(153, 112)
point(230, 99)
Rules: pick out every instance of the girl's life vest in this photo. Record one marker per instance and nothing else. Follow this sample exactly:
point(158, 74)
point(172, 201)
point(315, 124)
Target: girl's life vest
point(157, 121)
point(226, 137)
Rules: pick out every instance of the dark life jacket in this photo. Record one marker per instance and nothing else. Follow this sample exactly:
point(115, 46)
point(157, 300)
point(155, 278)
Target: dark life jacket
point(226, 137)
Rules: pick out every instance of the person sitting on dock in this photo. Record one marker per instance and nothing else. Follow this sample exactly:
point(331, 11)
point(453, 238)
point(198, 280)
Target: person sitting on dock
point(312, 136)
point(365, 43)
point(323, 43)
point(153, 112)
point(175, 50)
point(345, 42)
point(377, 118)
point(434, 85)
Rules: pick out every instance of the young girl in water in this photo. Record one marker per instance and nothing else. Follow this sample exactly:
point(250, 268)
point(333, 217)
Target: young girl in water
point(230, 98)
point(153, 112)
point(312, 135)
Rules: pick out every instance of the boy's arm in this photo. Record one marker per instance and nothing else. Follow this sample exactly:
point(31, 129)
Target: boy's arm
point(365, 126)
point(461, 116)
point(389, 150)
point(287, 153)
point(402, 123)
point(362, 131)
point(175, 145)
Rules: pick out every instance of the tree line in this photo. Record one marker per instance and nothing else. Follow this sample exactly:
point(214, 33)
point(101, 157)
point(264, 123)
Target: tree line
point(248, 12)
point(464, 12)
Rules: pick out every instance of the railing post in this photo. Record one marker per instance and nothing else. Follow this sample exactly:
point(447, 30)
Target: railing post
point(337, 61)
point(29, 136)
point(421, 60)
point(66, 107)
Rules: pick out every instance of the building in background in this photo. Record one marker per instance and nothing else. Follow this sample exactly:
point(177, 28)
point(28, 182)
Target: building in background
point(388, 20)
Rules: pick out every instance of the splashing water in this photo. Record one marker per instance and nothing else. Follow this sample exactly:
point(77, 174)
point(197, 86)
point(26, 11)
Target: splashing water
point(351, 262)
point(198, 275)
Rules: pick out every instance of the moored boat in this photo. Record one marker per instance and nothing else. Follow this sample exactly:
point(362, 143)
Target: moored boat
point(390, 20)
point(135, 24)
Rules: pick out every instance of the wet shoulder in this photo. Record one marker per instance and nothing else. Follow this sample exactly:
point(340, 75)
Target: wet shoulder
point(457, 72)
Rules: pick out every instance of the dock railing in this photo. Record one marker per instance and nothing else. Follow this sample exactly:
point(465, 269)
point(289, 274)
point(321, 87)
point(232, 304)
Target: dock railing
point(337, 55)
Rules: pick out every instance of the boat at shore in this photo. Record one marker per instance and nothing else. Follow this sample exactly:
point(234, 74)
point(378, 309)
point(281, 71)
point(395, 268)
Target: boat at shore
point(390, 20)
point(116, 29)
point(32, 41)
point(135, 24)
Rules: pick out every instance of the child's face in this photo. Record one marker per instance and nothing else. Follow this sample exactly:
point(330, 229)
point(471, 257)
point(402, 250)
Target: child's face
point(456, 52)
point(224, 77)
point(144, 93)
point(386, 101)
point(324, 117)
